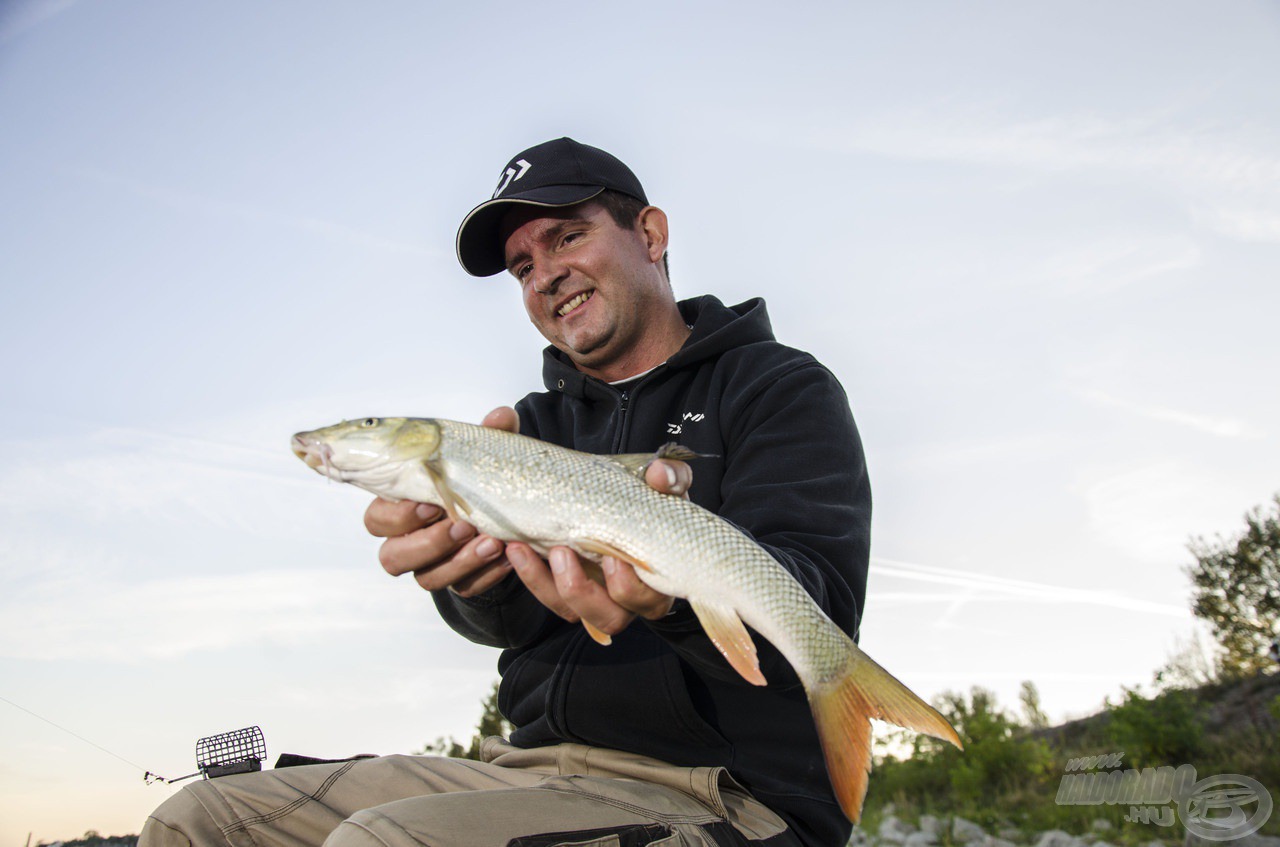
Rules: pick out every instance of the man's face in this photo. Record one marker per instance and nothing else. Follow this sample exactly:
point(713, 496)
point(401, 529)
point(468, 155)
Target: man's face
point(589, 286)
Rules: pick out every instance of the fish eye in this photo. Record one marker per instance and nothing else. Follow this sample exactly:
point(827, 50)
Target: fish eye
point(368, 422)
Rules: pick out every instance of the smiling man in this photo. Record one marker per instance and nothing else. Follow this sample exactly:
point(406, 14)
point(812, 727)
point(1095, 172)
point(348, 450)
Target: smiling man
point(653, 738)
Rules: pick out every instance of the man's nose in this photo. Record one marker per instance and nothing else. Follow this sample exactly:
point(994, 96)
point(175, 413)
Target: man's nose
point(547, 276)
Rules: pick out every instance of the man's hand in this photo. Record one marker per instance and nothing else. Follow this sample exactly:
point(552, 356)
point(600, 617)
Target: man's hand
point(563, 586)
point(441, 553)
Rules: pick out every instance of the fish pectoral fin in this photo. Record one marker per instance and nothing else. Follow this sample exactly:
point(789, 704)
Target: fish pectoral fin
point(453, 502)
point(600, 637)
point(601, 548)
point(727, 631)
point(633, 463)
point(638, 463)
point(672, 450)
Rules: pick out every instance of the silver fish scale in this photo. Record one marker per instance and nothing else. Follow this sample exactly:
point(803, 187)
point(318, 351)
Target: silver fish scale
point(522, 489)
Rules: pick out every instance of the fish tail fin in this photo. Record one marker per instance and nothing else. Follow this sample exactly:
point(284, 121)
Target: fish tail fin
point(842, 709)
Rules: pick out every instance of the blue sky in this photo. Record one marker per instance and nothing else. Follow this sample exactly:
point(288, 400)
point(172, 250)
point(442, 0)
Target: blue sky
point(1038, 244)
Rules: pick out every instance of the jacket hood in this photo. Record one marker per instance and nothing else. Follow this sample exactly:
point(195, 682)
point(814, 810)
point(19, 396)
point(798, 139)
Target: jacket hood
point(716, 328)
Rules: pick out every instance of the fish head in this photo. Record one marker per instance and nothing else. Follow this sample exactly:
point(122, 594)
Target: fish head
point(368, 452)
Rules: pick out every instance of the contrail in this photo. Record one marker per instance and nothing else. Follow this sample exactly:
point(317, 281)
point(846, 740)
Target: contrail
point(996, 586)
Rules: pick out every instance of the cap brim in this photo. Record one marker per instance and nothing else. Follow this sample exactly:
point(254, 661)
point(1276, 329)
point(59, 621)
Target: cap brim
point(479, 244)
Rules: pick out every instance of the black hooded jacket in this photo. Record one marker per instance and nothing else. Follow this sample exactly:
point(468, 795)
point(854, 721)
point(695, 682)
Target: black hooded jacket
point(785, 465)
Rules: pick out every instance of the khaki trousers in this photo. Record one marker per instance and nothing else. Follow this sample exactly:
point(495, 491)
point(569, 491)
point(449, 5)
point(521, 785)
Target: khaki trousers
point(566, 794)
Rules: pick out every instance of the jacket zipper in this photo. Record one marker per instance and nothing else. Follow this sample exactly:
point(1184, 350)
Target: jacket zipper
point(624, 402)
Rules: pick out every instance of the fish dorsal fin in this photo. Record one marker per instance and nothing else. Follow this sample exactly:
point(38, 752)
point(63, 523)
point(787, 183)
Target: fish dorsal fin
point(453, 502)
point(637, 463)
point(731, 638)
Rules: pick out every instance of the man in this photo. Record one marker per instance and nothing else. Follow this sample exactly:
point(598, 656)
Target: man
point(653, 738)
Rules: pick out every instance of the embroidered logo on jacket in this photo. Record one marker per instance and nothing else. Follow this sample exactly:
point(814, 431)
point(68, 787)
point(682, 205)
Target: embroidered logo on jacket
point(689, 417)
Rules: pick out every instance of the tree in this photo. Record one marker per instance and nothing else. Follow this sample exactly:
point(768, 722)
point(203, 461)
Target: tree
point(1237, 590)
point(1032, 711)
point(491, 723)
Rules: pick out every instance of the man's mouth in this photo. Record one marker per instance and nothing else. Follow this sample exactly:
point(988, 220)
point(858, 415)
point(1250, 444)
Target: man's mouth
point(574, 303)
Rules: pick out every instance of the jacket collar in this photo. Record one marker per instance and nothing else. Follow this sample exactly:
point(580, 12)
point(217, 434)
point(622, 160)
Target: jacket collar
point(716, 328)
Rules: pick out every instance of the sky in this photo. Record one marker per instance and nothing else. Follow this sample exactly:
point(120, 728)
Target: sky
point(1038, 244)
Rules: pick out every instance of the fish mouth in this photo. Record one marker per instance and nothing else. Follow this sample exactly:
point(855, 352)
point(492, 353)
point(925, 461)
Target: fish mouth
point(317, 454)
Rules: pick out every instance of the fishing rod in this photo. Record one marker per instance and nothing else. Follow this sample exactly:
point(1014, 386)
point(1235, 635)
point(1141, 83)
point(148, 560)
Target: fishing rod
point(238, 751)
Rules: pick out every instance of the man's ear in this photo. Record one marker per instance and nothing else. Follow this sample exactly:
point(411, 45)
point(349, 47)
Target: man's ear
point(653, 225)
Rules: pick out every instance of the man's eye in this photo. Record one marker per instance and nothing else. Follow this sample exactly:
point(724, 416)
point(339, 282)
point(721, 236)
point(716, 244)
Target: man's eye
point(522, 272)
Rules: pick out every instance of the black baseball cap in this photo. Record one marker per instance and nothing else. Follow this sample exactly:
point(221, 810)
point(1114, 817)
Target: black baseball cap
point(555, 173)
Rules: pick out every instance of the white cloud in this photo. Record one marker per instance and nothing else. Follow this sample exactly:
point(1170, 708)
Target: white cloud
point(189, 202)
point(115, 477)
point(1154, 145)
point(1213, 425)
point(163, 619)
point(1242, 224)
point(1038, 447)
point(19, 16)
point(1116, 263)
point(1149, 511)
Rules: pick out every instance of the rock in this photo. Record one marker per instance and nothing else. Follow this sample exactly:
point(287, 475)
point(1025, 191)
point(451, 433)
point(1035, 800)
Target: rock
point(920, 839)
point(967, 831)
point(931, 825)
point(1057, 838)
point(997, 842)
point(1101, 825)
point(894, 831)
point(1254, 840)
point(861, 838)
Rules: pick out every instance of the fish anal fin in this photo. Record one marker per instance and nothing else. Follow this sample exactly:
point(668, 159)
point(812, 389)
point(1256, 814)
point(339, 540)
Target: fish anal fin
point(842, 711)
point(599, 636)
point(602, 548)
point(727, 631)
point(453, 502)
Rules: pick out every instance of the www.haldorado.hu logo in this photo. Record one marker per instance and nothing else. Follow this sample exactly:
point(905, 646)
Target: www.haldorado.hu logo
point(1216, 808)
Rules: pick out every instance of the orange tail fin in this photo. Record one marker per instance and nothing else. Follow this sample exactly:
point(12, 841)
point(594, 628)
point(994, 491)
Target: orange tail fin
point(842, 711)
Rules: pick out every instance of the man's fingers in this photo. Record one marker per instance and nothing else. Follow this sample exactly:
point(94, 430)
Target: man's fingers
point(503, 417)
point(589, 599)
point(386, 519)
point(403, 553)
point(669, 476)
point(536, 574)
point(483, 579)
point(467, 563)
point(627, 590)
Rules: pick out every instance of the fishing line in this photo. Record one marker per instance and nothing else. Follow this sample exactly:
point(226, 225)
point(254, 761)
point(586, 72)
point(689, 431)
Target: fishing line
point(76, 735)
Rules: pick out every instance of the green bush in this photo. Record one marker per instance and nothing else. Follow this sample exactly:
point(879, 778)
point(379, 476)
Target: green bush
point(1000, 758)
point(1165, 730)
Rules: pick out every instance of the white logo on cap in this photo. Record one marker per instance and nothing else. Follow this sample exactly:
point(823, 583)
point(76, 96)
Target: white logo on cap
point(510, 175)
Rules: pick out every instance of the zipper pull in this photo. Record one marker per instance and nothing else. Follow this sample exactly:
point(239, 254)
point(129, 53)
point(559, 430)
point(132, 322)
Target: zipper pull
point(623, 401)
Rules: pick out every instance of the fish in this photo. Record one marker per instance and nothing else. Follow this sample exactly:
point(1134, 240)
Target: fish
point(517, 488)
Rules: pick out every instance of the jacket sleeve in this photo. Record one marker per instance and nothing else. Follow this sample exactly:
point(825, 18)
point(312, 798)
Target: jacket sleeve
point(795, 480)
point(507, 615)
